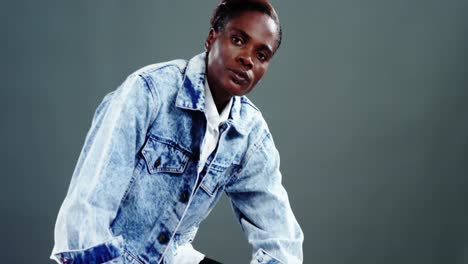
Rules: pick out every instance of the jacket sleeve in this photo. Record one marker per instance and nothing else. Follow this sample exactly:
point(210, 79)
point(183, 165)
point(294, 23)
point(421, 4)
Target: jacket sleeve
point(107, 160)
point(262, 208)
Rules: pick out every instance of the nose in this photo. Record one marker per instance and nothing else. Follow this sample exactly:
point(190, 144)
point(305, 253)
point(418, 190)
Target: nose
point(245, 60)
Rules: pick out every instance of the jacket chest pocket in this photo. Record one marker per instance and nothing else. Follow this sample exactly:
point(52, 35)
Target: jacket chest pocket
point(163, 155)
point(214, 179)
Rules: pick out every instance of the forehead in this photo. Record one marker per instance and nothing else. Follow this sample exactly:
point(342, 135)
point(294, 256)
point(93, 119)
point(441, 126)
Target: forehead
point(260, 27)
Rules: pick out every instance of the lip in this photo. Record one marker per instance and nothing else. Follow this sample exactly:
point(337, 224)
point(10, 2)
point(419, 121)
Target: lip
point(240, 76)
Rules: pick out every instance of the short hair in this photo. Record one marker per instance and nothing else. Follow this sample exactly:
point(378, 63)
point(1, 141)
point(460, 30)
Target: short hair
point(229, 9)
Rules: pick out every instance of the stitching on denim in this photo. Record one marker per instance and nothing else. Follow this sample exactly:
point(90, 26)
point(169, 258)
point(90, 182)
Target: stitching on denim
point(207, 189)
point(168, 64)
point(218, 167)
point(156, 100)
point(171, 143)
point(246, 100)
point(132, 257)
point(250, 153)
point(268, 254)
point(181, 169)
point(90, 247)
point(145, 75)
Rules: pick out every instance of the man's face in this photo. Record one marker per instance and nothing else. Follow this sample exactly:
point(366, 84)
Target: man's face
point(239, 55)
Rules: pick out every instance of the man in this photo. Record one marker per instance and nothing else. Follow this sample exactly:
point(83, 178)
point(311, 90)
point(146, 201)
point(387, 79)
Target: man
point(164, 146)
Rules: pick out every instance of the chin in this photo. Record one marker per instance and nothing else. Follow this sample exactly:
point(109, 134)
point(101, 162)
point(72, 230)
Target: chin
point(237, 89)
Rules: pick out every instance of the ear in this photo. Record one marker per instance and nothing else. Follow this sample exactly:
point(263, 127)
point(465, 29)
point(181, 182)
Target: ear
point(210, 39)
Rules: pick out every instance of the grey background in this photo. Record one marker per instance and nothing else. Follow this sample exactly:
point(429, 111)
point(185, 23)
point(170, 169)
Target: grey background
point(366, 101)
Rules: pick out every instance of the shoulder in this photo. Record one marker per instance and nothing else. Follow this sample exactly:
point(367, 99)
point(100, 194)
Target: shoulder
point(161, 79)
point(248, 104)
point(168, 71)
point(254, 123)
point(250, 116)
point(173, 68)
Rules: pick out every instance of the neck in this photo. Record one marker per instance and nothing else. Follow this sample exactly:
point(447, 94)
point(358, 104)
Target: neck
point(220, 99)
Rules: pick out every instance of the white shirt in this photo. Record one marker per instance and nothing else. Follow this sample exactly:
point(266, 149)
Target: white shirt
point(214, 119)
point(186, 254)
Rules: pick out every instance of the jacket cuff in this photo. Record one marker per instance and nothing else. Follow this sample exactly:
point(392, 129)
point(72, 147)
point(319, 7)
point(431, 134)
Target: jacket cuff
point(264, 258)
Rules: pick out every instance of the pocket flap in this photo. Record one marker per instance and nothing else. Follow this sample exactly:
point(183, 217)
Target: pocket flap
point(213, 179)
point(162, 155)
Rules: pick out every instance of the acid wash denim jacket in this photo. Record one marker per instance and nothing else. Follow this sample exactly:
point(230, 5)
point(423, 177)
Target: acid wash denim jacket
point(135, 195)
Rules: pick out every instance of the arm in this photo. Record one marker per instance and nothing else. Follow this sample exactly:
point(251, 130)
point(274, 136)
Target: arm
point(261, 205)
point(107, 160)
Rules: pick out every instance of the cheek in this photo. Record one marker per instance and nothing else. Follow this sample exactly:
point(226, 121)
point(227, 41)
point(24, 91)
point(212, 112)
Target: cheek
point(213, 62)
point(259, 72)
point(217, 58)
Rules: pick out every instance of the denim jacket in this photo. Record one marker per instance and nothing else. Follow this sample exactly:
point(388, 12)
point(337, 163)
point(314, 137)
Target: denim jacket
point(135, 194)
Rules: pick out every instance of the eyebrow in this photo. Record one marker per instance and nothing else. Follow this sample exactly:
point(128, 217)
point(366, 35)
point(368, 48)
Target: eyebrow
point(246, 36)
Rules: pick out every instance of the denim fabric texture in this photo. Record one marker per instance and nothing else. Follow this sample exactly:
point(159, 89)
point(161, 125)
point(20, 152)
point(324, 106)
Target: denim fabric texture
point(135, 195)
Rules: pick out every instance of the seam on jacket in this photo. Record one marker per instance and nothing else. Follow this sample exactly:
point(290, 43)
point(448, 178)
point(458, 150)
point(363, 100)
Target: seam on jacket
point(152, 87)
point(154, 94)
point(78, 250)
point(165, 65)
point(156, 101)
point(246, 100)
point(268, 254)
point(250, 153)
point(171, 143)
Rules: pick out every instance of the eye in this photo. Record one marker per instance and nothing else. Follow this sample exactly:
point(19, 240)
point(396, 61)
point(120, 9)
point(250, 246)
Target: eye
point(262, 56)
point(237, 40)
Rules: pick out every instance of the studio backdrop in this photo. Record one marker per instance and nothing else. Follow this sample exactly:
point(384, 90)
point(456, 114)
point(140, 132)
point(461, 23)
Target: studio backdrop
point(366, 101)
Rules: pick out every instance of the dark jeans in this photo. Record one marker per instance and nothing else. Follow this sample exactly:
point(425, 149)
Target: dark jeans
point(209, 261)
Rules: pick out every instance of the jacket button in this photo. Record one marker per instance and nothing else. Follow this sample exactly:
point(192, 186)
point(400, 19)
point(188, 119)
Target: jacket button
point(157, 162)
point(65, 260)
point(196, 154)
point(184, 197)
point(163, 239)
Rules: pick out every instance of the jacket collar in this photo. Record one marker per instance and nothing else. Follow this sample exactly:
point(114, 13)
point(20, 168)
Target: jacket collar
point(191, 94)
